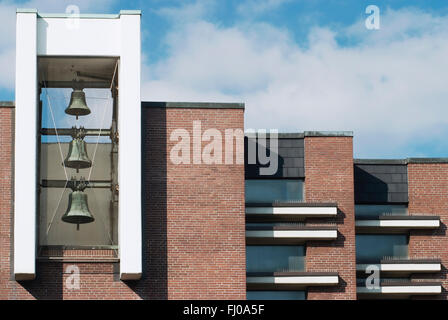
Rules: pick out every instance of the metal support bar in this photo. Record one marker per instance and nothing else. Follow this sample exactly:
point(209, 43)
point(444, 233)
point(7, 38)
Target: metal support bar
point(69, 84)
point(68, 132)
point(105, 184)
point(93, 76)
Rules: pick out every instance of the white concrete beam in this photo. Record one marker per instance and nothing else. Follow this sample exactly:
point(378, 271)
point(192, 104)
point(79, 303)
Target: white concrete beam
point(25, 154)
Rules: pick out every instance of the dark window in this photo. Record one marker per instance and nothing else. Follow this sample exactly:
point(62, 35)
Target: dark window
point(275, 258)
point(270, 190)
point(375, 210)
point(275, 295)
point(374, 247)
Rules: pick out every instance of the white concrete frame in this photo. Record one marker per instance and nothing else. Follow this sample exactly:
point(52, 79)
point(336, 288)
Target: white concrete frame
point(298, 211)
point(403, 267)
point(25, 175)
point(54, 35)
point(293, 234)
point(295, 280)
point(411, 223)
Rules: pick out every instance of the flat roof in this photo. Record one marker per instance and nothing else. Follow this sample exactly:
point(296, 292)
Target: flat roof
point(192, 105)
point(8, 104)
point(301, 135)
point(380, 161)
point(81, 15)
point(400, 161)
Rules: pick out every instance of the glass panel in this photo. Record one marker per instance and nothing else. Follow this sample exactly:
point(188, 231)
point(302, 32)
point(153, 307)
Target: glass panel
point(374, 247)
point(267, 190)
point(57, 169)
point(275, 258)
point(275, 295)
point(273, 224)
point(375, 210)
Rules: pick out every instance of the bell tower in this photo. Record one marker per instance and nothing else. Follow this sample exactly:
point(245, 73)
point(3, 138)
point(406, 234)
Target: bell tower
point(79, 54)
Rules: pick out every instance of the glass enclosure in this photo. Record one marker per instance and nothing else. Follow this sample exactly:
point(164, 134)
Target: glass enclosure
point(78, 153)
point(374, 247)
point(275, 295)
point(270, 190)
point(375, 210)
point(275, 258)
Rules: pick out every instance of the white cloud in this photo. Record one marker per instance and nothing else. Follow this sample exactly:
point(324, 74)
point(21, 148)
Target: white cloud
point(256, 7)
point(390, 88)
point(8, 68)
point(187, 12)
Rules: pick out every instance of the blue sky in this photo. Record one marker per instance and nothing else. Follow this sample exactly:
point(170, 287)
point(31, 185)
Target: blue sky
point(298, 65)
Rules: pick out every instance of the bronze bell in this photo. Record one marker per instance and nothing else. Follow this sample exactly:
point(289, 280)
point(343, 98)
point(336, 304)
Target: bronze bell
point(77, 157)
point(78, 106)
point(78, 210)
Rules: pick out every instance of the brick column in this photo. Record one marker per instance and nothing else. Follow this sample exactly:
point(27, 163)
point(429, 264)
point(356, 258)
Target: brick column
point(428, 194)
point(205, 215)
point(329, 178)
point(6, 193)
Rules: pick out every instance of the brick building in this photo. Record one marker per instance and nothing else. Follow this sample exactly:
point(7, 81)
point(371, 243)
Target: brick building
point(172, 200)
point(224, 231)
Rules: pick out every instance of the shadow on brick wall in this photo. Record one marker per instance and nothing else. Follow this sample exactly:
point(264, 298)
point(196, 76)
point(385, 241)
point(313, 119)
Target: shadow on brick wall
point(440, 232)
point(49, 282)
point(154, 282)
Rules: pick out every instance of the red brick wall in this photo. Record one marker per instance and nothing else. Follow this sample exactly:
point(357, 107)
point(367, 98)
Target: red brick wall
point(205, 217)
point(428, 194)
point(329, 178)
point(193, 223)
point(6, 193)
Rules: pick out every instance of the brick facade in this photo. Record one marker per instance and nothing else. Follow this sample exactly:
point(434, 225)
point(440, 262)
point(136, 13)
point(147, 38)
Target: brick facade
point(194, 241)
point(329, 178)
point(194, 219)
point(428, 194)
point(205, 230)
